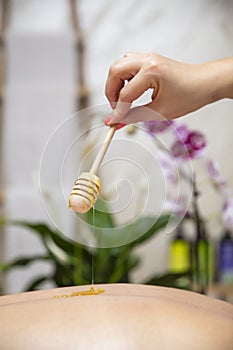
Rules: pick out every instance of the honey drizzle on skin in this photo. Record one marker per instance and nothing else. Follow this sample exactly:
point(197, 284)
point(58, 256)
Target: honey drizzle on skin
point(92, 290)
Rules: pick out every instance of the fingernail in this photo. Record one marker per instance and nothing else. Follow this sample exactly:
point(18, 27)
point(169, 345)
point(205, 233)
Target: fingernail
point(107, 120)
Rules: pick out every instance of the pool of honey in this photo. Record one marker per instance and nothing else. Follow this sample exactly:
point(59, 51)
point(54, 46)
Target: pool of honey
point(91, 291)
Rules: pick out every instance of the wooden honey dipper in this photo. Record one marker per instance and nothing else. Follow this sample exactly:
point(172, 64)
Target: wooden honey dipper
point(87, 186)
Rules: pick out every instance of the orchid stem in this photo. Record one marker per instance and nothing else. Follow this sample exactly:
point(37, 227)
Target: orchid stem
point(200, 283)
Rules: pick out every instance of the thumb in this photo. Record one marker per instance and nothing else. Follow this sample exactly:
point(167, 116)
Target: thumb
point(129, 93)
point(120, 111)
point(142, 114)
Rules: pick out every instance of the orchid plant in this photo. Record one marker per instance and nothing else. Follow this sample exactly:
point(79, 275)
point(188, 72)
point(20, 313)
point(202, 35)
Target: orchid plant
point(189, 145)
point(186, 147)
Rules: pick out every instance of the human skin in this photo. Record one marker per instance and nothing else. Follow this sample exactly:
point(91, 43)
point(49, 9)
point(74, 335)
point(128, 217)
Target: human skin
point(125, 317)
point(178, 88)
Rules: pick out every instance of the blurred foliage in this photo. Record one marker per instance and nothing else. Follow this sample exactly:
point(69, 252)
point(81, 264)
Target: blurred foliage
point(72, 262)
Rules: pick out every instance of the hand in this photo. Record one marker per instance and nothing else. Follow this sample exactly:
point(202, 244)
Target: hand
point(178, 88)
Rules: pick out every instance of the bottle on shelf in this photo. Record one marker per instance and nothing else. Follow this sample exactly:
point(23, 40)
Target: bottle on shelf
point(225, 259)
point(203, 266)
point(179, 253)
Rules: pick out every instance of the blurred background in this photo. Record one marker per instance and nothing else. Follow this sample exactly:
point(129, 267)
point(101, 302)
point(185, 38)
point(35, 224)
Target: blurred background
point(54, 60)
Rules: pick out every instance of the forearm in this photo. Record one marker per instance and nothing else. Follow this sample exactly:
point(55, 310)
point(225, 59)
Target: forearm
point(220, 79)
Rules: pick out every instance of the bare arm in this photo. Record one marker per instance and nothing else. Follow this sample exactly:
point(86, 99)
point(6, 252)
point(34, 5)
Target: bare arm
point(178, 88)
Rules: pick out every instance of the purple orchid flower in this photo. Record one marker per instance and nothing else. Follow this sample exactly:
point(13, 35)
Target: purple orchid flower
point(182, 131)
point(154, 126)
point(213, 171)
point(228, 213)
point(191, 144)
point(179, 150)
point(168, 166)
point(177, 207)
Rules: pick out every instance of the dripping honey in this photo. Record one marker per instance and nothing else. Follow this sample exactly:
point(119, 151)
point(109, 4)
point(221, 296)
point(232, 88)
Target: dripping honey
point(92, 290)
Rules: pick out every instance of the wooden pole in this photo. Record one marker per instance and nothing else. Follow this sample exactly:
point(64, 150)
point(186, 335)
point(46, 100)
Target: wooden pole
point(82, 91)
point(4, 20)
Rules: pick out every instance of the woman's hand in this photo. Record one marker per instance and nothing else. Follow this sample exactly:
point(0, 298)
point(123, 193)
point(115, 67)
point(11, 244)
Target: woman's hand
point(178, 88)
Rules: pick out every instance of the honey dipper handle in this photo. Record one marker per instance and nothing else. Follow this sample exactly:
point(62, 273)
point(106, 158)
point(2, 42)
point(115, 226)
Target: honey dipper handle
point(103, 150)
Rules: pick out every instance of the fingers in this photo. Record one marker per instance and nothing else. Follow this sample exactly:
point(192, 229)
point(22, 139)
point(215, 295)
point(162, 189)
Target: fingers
point(129, 93)
point(138, 114)
point(123, 70)
point(141, 72)
point(142, 113)
point(119, 126)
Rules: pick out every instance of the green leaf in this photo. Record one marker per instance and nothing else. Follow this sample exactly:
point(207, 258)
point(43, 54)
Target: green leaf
point(122, 269)
point(169, 280)
point(58, 248)
point(64, 243)
point(100, 216)
point(56, 253)
point(2, 220)
point(64, 276)
point(40, 228)
point(59, 239)
point(115, 264)
point(37, 282)
point(103, 263)
point(21, 262)
point(131, 234)
point(150, 226)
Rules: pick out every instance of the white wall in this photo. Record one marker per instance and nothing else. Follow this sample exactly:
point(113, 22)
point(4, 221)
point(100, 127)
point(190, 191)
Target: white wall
point(41, 72)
